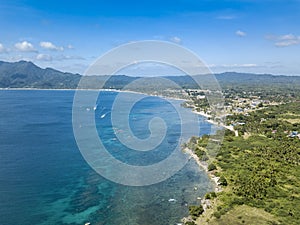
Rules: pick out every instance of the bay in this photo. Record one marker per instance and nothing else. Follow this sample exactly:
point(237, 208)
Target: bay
point(45, 180)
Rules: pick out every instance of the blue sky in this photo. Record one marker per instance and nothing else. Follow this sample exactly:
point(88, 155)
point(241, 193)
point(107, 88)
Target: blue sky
point(260, 36)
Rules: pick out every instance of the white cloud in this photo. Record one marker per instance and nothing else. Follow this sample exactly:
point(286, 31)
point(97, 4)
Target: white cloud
point(284, 40)
point(287, 40)
point(70, 47)
point(2, 48)
point(24, 46)
point(245, 65)
point(249, 65)
point(18, 57)
point(50, 46)
point(44, 57)
point(240, 33)
point(176, 40)
point(47, 57)
point(287, 43)
point(69, 57)
point(287, 37)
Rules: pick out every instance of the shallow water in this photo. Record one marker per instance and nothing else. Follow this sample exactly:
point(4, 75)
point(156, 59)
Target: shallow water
point(45, 180)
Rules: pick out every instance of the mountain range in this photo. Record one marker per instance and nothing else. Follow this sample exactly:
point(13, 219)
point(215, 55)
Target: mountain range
point(24, 74)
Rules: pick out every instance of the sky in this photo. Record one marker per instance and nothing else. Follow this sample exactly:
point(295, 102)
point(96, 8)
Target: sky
point(255, 36)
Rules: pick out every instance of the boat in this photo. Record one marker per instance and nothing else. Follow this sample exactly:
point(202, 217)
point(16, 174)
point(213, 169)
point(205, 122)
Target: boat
point(172, 200)
point(95, 107)
point(103, 115)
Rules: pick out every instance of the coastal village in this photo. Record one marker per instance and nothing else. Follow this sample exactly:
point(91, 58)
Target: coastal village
point(235, 104)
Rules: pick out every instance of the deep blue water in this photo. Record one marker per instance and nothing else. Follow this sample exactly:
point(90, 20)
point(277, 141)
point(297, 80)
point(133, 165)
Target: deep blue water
point(45, 180)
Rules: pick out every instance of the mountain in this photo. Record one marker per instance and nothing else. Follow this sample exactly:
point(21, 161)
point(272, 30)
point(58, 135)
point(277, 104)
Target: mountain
point(25, 74)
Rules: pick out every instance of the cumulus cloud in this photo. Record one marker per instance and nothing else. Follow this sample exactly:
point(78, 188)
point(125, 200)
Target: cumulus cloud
point(176, 40)
point(240, 33)
point(44, 57)
point(70, 47)
point(24, 46)
point(50, 46)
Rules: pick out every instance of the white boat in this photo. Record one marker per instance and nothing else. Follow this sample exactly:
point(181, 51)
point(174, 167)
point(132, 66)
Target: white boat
point(172, 200)
point(103, 115)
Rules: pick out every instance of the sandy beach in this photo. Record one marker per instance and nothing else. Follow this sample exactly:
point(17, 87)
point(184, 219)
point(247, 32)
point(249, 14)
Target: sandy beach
point(231, 128)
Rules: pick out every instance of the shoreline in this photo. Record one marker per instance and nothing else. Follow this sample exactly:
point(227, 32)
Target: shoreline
point(204, 166)
point(231, 128)
point(76, 89)
point(206, 203)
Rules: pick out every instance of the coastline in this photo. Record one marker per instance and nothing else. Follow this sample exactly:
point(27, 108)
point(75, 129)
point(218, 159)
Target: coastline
point(77, 89)
point(206, 203)
point(231, 128)
point(54, 89)
point(204, 166)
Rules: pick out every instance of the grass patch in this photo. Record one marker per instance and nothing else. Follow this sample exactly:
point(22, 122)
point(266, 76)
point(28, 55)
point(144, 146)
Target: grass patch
point(292, 121)
point(243, 214)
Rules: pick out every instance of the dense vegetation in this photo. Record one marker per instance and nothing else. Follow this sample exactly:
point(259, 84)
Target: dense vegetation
point(261, 167)
point(27, 75)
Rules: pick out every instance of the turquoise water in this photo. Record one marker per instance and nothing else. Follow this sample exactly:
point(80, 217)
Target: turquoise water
point(45, 180)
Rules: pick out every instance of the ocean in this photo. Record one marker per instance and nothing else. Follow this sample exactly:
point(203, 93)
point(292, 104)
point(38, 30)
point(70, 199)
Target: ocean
point(45, 180)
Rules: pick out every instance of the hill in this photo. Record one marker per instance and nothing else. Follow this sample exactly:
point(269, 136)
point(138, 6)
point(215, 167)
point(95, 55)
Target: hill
point(25, 74)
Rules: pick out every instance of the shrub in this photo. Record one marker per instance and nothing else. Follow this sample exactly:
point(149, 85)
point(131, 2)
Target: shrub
point(217, 215)
point(260, 105)
point(210, 195)
point(238, 201)
point(213, 194)
point(207, 196)
point(190, 223)
point(196, 211)
point(204, 157)
point(211, 167)
point(223, 181)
